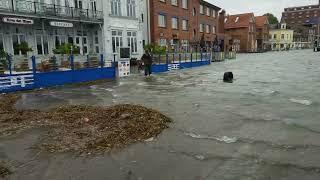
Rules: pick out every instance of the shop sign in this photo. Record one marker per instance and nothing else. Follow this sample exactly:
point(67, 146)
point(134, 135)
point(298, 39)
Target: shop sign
point(14, 20)
point(61, 24)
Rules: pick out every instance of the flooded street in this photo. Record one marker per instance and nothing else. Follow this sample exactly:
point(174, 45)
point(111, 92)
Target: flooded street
point(263, 126)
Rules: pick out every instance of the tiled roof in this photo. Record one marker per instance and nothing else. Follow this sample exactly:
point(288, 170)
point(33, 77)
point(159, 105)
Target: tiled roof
point(261, 21)
point(238, 20)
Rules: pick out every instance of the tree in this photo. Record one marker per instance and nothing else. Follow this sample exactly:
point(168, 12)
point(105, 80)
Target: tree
point(271, 18)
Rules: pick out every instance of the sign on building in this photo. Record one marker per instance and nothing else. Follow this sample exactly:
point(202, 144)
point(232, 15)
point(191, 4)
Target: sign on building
point(61, 24)
point(13, 20)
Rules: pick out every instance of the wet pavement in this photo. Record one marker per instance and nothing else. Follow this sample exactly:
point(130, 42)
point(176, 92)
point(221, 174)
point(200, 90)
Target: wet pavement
point(264, 126)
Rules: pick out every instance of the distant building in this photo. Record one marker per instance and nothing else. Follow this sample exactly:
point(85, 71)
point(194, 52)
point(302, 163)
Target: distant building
point(281, 38)
point(262, 26)
point(301, 19)
point(242, 29)
point(181, 24)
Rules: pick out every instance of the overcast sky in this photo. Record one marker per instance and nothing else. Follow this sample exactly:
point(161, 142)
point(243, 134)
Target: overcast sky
point(259, 7)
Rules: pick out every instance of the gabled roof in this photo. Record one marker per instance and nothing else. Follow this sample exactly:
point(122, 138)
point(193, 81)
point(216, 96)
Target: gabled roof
point(239, 20)
point(261, 21)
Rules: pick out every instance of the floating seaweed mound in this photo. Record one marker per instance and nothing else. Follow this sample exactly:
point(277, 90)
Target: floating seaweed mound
point(4, 171)
point(85, 128)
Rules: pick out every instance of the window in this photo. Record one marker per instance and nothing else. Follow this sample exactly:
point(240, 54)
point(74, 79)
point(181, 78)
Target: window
point(185, 4)
point(287, 36)
point(116, 7)
point(194, 12)
point(96, 42)
point(93, 5)
point(213, 13)
point(274, 36)
point(213, 29)
point(162, 42)
point(201, 9)
point(132, 41)
point(16, 40)
point(42, 45)
point(1, 42)
point(174, 2)
point(161, 20)
point(237, 19)
point(201, 27)
point(116, 40)
point(131, 8)
point(162, 0)
point(185, 25)
point(282, 36)
point(208, 11)
point(77, 4)
point(207, 28)
point(174, 21)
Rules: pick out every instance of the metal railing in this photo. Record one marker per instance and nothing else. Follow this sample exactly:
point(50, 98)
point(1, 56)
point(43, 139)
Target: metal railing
point(43, 9)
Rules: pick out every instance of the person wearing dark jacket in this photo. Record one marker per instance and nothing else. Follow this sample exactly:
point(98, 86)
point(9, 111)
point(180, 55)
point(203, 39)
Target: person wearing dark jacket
point(147, 60)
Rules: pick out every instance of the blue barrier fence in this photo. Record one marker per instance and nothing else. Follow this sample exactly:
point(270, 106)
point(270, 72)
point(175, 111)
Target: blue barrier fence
point(37, 79)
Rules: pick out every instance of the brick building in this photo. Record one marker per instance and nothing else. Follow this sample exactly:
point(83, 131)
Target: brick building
point(300, 20)
point(242, 29)
point(262, 26)
point(181, 24)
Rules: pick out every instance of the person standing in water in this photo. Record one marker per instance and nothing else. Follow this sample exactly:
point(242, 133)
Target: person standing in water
point(147, 60)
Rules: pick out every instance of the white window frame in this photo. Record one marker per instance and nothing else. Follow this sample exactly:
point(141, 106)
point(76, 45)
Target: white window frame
point(116, 7)
point(185, 4)
point(185, 24)
point(162, 42)
point(208, 11)
point(162, 20)
point(116, 40)
point(214, 13)
point(131, 8)
point(42, 39)
point(201, 9)
point(19, 35)
point(174, 2)
point(214, 29)
point(201, 29)
point(174, 23)
point(207, 28)
point(132, 41)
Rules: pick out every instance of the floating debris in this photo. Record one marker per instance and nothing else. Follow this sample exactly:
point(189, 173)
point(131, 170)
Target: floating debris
point(301, 101)
point(227, 139)
point(199, 157)
point(85, 128)
point(4, 171)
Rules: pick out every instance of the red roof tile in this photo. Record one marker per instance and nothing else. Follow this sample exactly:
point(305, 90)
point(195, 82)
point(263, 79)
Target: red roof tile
point(238, 20)
point(261, 21)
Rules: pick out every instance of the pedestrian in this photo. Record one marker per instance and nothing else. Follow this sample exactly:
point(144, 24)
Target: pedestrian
point(147, 60)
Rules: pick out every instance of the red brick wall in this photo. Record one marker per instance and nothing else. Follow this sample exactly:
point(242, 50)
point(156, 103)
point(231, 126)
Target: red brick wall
point(157, 7)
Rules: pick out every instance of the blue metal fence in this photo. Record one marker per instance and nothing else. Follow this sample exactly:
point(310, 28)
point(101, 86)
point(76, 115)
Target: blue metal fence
point(38, 79)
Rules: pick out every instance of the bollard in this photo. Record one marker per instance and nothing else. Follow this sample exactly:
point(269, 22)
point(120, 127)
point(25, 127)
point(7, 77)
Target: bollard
point(167, 58)
point(34, 66)
point(114, 60)
point(179, 58)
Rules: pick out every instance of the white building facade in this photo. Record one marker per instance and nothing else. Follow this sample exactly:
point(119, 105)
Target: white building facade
point(46, 24)
point(123, 27)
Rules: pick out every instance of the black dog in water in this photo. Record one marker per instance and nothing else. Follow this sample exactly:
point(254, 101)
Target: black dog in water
point(228, 77)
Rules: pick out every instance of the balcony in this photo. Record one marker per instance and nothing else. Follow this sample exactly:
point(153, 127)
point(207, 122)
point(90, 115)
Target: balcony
point(43, 10)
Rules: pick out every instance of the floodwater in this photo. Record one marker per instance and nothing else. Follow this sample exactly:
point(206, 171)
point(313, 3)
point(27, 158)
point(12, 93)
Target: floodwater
point(264, 126)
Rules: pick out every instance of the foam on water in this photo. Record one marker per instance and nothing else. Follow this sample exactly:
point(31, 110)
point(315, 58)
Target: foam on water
point(224, 139)
point(301, 101)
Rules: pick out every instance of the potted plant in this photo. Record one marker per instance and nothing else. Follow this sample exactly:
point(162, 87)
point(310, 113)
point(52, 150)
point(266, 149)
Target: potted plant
point(24, 48)
point(3, 61)
point(66, 49)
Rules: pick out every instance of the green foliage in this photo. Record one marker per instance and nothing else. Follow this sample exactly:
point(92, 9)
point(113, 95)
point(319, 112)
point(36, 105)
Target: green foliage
point(23, 47)
point(271, 18)
point(3, 58)
point(155, 49)
point(67, 48)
